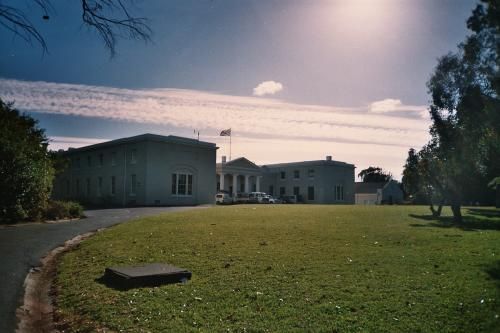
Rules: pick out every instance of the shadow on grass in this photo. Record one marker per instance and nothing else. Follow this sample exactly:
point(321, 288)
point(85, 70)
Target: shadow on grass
point(474, 219)
point(494, 272)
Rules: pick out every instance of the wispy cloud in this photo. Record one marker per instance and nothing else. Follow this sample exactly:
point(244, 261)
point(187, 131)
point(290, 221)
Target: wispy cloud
point(267, 88)
point(317, 128)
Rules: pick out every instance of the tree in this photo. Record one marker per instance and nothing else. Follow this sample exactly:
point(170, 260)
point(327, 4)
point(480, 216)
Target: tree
point(374, 175)
point(465, 128)
point(411, 177)
point(109, 18)
point(26, 171)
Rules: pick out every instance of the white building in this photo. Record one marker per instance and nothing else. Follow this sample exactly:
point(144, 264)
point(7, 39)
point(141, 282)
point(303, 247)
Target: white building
point(322, 181)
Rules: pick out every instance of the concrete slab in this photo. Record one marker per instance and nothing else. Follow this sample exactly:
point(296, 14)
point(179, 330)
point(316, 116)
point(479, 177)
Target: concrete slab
point(146, 275)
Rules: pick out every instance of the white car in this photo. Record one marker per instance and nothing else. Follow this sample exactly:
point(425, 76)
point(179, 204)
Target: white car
point(273, 200)
point(223, 198)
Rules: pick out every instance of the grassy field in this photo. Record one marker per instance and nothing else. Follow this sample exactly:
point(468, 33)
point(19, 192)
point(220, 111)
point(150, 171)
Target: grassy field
point(293, 268)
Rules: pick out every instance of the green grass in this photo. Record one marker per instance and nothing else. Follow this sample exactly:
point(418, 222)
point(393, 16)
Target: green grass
point(286, 268)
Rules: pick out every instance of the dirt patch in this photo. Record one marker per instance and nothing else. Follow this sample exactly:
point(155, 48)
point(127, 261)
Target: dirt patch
point(36, 313)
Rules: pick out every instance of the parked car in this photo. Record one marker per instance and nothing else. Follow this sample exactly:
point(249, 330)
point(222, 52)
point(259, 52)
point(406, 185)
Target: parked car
point(290, 199)
point(271, 199)
point(256, 197)
point(223, 198)
point(242, 198)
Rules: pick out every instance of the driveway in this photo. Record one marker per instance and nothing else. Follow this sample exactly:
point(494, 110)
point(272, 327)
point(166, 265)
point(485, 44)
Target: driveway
point(22, 247)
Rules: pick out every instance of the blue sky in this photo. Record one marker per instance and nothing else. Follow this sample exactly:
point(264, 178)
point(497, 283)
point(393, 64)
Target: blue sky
point(344, 78)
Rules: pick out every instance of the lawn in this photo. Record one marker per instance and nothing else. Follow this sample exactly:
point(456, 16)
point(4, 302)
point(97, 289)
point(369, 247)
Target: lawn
point(293, 268)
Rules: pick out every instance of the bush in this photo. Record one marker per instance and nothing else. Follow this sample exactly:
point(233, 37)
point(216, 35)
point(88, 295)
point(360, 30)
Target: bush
point(63, 209)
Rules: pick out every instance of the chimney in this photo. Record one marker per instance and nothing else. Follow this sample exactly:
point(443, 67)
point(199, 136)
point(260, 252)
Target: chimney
point(328, 157)
point(223, 159)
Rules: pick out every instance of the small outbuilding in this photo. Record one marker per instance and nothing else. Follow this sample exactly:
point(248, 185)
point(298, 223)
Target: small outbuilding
point(378, 193)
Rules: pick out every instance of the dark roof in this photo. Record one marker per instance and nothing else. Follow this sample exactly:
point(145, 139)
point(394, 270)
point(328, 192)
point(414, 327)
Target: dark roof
point(307, 163)
point(361, 187)
point(146, 137)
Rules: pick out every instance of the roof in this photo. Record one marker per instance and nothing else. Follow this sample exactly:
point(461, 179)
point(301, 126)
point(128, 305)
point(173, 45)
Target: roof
point(146, 137)
point(240, 162)
point(308, 163)
point(361, 187)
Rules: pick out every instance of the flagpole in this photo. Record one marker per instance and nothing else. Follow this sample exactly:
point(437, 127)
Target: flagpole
point(230, 135)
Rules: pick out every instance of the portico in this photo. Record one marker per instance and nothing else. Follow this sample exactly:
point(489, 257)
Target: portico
point(238, 176)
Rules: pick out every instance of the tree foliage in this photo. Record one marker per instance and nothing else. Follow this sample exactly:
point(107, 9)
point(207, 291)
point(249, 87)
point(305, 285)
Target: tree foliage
point(111, 19)
point(464, 150)
point(26, 171)
point(374, 175)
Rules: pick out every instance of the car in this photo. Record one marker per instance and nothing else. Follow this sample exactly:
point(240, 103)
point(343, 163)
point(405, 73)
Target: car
point(290, 199)
point(222, 198)
point(273, 200)
point(256, 197)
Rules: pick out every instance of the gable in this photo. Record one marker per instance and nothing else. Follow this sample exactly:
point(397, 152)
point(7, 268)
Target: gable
point(242, 163)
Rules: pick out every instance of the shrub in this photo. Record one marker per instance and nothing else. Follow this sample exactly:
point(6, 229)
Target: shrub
point(75, 209)
point(63, 209)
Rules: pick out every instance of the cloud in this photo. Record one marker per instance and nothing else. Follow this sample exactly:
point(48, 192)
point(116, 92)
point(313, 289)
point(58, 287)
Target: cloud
point(267, 88)
point(391, 105)
point(338, 130)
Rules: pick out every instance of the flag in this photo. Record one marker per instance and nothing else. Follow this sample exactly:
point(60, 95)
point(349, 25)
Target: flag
point(226, 132)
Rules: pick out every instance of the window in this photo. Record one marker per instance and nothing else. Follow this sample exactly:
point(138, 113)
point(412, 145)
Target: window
point(101, 160)
point(271, 190)
point(296, 174)
point(339, 192)
point(283, 175)
point(133, 156)
point(113, 185)
point(310, 193)
point(89, 161)
point(99, 186)
point(88, 187)
point(182, 184)
point(296, 191)
point(310, 173)
point(282, 191)
point(113, 158)
point(133, 184)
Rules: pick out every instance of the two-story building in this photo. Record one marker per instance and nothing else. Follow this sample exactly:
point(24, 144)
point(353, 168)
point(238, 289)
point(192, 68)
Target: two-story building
point(145, 170)
point(322, 181)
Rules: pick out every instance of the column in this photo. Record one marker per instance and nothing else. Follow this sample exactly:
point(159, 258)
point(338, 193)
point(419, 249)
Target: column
point(221, 181)
point(235, 185)
point(257, 184)
point(247, 177)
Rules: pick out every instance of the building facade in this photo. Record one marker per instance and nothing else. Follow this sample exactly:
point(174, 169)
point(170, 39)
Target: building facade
point(142, 170)
point(322, 182)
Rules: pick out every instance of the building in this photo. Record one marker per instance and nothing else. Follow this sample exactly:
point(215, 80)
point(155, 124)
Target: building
point(142, 170)
point(238, 176)
point(378, 193)
point(323, 181)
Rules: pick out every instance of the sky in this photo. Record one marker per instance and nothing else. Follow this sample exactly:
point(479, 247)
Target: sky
point(294, 80)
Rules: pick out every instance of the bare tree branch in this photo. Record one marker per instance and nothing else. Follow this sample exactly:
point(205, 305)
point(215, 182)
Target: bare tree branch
point(14, 20)
point(110, 18)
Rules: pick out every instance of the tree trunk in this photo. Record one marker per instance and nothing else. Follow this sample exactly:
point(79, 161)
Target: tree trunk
point(497, 204)
point(456, 204)
point(436, 212)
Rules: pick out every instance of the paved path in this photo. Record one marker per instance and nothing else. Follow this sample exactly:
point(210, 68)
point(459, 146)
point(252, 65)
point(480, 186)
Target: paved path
point(22, 247)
